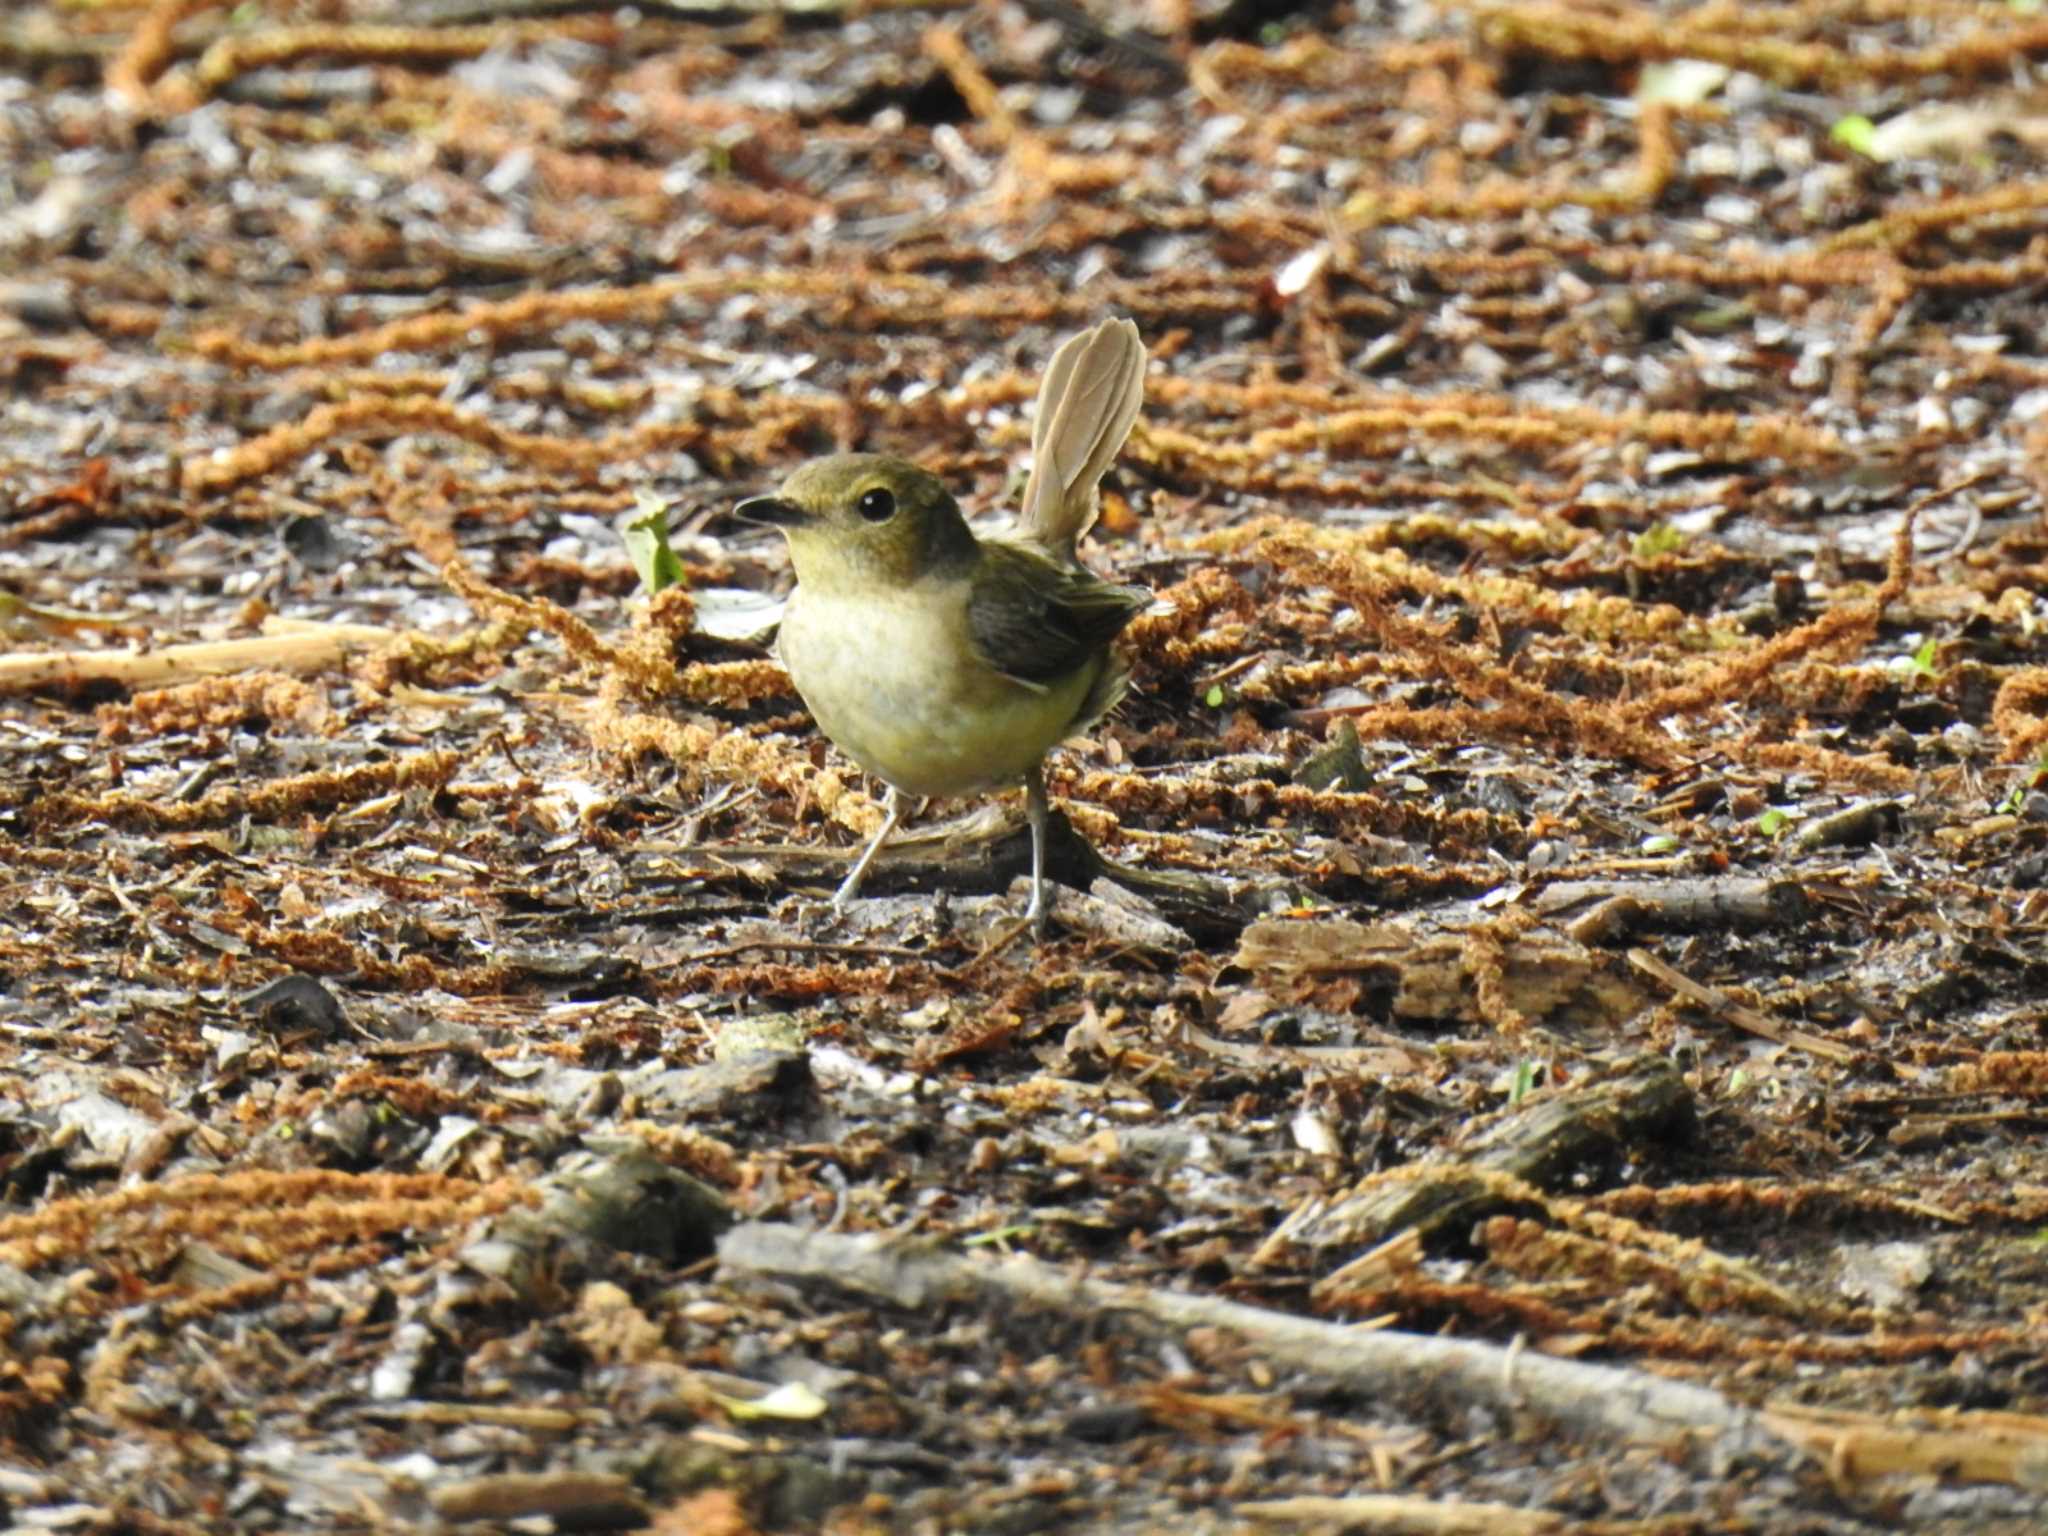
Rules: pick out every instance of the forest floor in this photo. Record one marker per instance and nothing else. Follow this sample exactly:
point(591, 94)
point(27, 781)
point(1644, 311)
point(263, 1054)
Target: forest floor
point(1546, 1024)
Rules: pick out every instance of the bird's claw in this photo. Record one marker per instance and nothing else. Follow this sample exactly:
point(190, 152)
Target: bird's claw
point(1038, 915)
point(815, 919)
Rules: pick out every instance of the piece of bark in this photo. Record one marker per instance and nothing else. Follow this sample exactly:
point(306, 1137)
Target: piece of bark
point(1603, 1403)
point(1542, 1144)
point(1425, 969)
point(580, 1499)
point(619, 1197)
point(1970, 1446)
point(298, 1001)
point(1100, 915)
point(1863, 822)
point(1602, 910)
point(748, 1085)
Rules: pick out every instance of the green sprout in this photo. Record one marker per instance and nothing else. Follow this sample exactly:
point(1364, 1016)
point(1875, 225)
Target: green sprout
point(1854, 132)
point(2032, 780)
point(647, 543)
point(1920, 663)
point(1525, 1081)
point(1660, 538)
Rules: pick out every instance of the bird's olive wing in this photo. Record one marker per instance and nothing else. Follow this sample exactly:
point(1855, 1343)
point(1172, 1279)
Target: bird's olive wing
point(1037, 620)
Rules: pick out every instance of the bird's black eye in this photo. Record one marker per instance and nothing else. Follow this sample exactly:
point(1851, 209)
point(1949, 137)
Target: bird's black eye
point(876, 505)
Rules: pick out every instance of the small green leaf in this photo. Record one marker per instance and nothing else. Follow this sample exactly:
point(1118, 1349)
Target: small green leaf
point(2036, 778)
point(1525, 1081)
point(1214, 697)
point(1920, 663)
point(647, 543)
point(1773, 821)
point(1855, 132)
point(1719, 319)
point(1659, 538)
point(1661, 842)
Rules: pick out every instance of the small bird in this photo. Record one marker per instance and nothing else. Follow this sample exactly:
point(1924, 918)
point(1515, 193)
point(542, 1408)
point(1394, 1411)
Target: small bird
point(945, 661)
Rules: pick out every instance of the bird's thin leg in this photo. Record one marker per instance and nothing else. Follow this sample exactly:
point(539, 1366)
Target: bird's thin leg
point(1037, 810)
point(892, 812)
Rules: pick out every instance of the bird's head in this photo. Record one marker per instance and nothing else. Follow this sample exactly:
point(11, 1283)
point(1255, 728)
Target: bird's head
point(865, 521)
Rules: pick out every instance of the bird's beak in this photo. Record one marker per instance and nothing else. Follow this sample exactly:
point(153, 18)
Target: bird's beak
point(770, 511)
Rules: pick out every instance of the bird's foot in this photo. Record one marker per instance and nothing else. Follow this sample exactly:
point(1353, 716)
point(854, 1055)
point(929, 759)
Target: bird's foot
point(1038, 915)
point(819, 919)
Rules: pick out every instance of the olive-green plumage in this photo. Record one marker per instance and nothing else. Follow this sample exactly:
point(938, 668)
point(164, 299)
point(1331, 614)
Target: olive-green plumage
point(940, 662)
point(943, 661)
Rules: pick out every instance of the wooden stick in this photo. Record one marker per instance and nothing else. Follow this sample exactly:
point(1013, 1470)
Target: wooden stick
point(286, 645)
point(1393, 1514)
point(1606, 1403)
point(1724, 1007)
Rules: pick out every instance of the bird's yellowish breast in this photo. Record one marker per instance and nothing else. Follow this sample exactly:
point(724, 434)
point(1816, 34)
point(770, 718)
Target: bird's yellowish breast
point(892, 677)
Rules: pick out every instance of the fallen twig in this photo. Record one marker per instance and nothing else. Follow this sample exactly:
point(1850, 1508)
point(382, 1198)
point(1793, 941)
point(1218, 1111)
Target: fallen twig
point(1394, 1514)
point(284, 646)
point(1978, 1447)
point(1601, 1402)
point(1722, 1006)
point(1596, 910)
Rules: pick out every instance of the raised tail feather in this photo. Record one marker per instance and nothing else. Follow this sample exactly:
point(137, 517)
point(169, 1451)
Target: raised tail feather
point(1092, 392)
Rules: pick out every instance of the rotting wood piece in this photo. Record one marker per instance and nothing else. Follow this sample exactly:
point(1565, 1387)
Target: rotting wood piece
point(1602, 910)
point(572, 1498)
point(616, 1196)
point(1425, 970)
point(1541, 1144)
point(1978, 1447)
